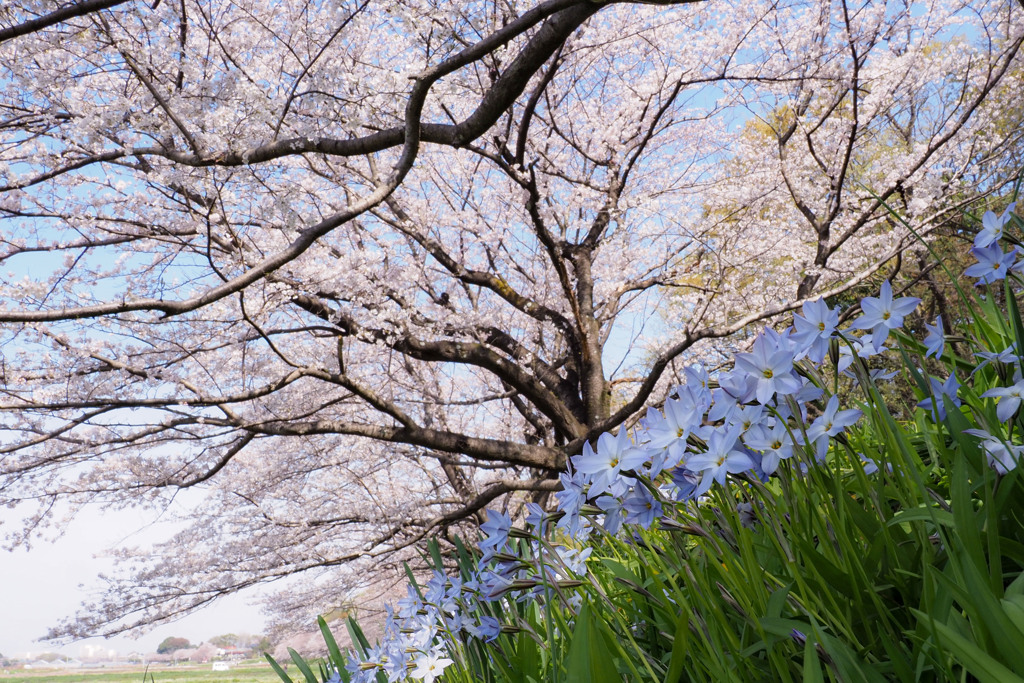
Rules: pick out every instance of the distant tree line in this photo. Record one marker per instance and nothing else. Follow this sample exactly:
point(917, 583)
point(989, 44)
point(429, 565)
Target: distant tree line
point(255, 643)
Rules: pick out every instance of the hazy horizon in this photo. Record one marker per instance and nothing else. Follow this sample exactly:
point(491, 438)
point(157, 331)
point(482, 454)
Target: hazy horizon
point(46, 584)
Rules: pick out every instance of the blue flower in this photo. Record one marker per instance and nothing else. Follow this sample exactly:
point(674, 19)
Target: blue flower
point(734, 387)
point(861, 347)
point(493, 586)
point(941, 393)
point(770, 367)
point(573, 559)
point(697, 387)
point(427, 666)
point(935, 342)
point(882, 314)
point(613, 455)
point(992, 264)
point(745, 417)
point(1007, 356)
point(496, 528)
point(410, 604)
point(830, 423)
point(686, 483)
point(667, 433)
point(814, 329)
point(613, 516)
point(721, 458)
point(748, 517)
point(1009, 399)
point(570, 500)
point(537, 518)
point(641, 507)
point(992, 227)
point(775, 444)
point(486, 630)
point(1001, 456)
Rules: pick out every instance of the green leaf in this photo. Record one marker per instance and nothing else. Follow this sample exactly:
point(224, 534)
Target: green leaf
point(355, 633)
point(277, 669)
point(848, 664)
point(337, 658)
point(435, 554)
point(939, 516)
point(412, 579)
point(987, 616)
point(679, 648)
point(1013, 313)
point(528, 657)
point(969, 655)
point(589, 659)
point(1013, 606)
point(812, 665)
point(303, 666)
point(778, 600)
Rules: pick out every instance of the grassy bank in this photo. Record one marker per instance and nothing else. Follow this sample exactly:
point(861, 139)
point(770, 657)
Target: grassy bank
point(246, 673)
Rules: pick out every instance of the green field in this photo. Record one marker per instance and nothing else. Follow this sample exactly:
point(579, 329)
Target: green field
point(244, 673)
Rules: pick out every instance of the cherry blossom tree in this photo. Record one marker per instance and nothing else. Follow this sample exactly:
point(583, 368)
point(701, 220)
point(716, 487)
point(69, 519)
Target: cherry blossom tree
point(350, 272)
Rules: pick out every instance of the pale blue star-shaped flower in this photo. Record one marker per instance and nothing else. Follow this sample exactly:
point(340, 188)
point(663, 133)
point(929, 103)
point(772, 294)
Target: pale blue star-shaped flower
point(573, 560)
point(830, 423)
point(428, 666)
point(1001, 456)
point(721, 458)
point(1007, 356)
point(736, 386)
point(935, 342)
point(641, 507)
point(613, 513)
point(697, 379)
point(814, 329)
point(496, 528)
point(992, 227)
point(882, 313)
point(686, 483)
point(775, 444)
point(770, 365)
point(942, 394)
point(1009, 399)
point(570, 499)
point(487, 629)
point(745, 417)
point(666, 433)
point(861, 347)
point(603, 465)
point(992, 264)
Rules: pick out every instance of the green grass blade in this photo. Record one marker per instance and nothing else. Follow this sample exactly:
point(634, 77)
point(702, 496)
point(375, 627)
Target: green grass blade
point(337, 658)
point(303, 666)
point(277, 669)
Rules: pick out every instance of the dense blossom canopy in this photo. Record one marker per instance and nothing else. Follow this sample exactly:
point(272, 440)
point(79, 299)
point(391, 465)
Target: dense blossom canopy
point(355, 270)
